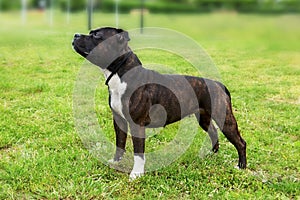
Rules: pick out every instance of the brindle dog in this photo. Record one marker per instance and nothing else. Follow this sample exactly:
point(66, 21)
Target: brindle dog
point(143, 98)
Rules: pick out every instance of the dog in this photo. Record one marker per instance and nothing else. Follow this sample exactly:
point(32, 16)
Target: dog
point(140, 98)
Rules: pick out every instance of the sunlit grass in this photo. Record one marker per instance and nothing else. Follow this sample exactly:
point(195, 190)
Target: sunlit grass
point(41, 155)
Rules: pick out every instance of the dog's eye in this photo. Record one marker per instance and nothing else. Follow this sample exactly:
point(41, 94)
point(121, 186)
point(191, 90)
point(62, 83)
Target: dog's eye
point(97, 35)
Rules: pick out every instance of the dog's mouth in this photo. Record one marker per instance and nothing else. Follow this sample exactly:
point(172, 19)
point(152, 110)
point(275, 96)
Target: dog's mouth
point(79, 49)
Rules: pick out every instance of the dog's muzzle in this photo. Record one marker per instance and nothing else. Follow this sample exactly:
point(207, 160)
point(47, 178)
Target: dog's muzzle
point(76, 36)
point(77, 47)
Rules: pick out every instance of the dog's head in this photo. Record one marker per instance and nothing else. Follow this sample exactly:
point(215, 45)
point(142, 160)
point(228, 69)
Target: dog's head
point(102, 45)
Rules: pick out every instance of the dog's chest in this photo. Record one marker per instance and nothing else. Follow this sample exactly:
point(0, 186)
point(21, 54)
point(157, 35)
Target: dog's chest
point(116, 91)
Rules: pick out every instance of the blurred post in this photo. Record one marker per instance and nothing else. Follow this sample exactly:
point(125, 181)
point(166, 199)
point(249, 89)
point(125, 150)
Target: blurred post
point(68, 11)
point(24, 11)
point(42, 5)
point(142, 15)
point(117, 13)
point(90, 11)
point(51, 13)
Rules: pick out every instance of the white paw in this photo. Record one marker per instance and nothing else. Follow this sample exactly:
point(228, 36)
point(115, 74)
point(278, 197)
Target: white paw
point(237, 167)
point(138, 167)
point(112, 161)
point(135, 175)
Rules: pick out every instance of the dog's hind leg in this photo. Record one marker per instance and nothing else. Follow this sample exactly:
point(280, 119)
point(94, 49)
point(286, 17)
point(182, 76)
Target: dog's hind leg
point(205, 121)
point(121, 129)
point(229, 128)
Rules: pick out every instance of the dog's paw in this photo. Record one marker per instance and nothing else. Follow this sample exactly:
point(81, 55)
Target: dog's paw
point(138, 167)
point(216, 147)
point(134, 175)
point(114, 161)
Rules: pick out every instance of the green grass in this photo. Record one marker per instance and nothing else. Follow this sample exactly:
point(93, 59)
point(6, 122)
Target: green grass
point(42, 156)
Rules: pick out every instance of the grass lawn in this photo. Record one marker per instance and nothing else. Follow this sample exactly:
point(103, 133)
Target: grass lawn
point(42, 156)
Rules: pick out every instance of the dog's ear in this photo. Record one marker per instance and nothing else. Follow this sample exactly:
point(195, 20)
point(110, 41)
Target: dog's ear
point(123, 35)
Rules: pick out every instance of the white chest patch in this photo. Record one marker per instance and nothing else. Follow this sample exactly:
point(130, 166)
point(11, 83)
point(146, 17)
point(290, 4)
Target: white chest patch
point(116, 89)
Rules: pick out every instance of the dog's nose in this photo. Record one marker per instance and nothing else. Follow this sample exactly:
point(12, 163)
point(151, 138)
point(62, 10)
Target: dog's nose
point(77, 35)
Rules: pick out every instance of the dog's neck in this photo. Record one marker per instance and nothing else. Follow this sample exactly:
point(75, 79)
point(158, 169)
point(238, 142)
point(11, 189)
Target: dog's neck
point(121, 65)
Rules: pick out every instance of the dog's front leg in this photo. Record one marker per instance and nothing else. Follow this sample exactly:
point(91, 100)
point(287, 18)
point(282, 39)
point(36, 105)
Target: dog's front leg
point(121, 129)
point(138, 139)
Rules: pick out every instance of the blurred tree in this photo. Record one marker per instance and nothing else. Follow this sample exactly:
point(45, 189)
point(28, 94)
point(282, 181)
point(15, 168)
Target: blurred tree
point(177, 1)
point(75, 5)
point(262, 6)
point(10, 5)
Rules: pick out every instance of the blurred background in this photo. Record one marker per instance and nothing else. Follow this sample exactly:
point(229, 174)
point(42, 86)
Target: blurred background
point(175, 6)
point(87, 14)
point(148, 6)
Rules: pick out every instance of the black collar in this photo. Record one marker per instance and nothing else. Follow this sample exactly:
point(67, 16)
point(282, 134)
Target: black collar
point(119, 65)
